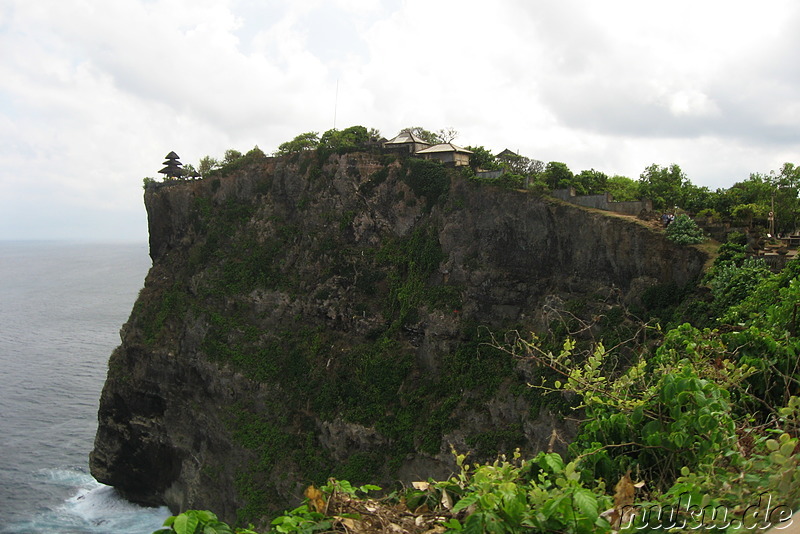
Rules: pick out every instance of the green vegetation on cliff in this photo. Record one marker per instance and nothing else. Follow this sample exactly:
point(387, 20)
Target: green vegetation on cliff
point(354, 315)
point(350, 357)
point(699, 431)
point(338, 314)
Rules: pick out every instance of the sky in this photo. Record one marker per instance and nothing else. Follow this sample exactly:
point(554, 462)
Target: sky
point(94, 93)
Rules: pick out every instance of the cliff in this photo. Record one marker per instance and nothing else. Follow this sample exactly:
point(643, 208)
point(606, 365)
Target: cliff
point(308, 317)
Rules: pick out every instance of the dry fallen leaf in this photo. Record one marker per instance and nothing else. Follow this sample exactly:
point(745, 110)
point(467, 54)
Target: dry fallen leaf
point(447, 502)
point(349, 523)
point(422, 509)
point(422, 486)
point(315, 498)
point(624, 491)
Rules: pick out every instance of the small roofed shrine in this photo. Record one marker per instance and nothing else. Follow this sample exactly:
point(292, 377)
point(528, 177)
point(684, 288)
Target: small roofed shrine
point(172, 167)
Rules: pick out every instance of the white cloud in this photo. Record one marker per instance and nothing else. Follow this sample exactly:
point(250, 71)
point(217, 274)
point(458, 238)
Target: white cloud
point(92, 95)
point(691, 103)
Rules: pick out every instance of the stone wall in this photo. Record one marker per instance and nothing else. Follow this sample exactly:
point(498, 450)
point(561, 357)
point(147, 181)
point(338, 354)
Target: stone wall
point(603, 202)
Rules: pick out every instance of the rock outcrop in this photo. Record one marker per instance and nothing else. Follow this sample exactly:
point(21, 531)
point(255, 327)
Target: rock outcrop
point(307, 318)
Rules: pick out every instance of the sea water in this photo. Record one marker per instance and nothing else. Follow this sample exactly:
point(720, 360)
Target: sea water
point(61, 307)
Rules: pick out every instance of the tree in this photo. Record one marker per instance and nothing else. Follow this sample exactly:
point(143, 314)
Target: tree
point(304, 141)
point(511, 161)
point(481, 158)
point(206, 165)
point(590, 182)
point(785, 204)
point(535, 167)
point(190, 172)
point(347, 140)
point(788, 176)
point(695, 199)
point(755, 190)
point(517, 164)
point(754, 198)
point(557, 175)
point(447, 135)
point(255, 153)
point(747, 213)
point(622, 188)
point(664, 186)
point(231, 155)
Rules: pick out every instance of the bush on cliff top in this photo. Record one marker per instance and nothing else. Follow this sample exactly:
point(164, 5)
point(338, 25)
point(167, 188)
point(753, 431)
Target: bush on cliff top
point(684, 231)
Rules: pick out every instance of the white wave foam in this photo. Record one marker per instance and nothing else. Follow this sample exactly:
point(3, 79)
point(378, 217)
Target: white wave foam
point(101, 506)
point(93, 508)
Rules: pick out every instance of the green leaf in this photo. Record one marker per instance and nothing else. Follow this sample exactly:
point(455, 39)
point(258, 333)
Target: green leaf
point(636, 415)
point(679, 439)
point(345, 486)
point(217, 527)
point(515, 511)
point(489, 501)
point(553, 461)
point(185, 523)
point(322, 525)
point(586, 502)
point(552, 506)
point(465, 502)
point(484, 523)
point(205, 516)
point(571, 472)
point(453, 524)
point(787, 448)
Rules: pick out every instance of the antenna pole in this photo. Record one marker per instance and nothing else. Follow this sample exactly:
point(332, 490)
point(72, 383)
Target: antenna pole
point(335, 103)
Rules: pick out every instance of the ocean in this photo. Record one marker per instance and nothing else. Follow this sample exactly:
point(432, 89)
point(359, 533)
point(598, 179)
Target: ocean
point(61, 308)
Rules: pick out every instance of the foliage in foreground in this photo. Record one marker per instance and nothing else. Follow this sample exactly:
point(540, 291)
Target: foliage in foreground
point(198, 522)
point(698, 432)
point(547, 494)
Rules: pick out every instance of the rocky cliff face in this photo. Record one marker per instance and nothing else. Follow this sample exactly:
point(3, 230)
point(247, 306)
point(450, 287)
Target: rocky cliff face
point(307, 318)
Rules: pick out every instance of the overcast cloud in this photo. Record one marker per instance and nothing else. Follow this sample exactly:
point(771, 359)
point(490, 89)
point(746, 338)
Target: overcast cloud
point(94, 93)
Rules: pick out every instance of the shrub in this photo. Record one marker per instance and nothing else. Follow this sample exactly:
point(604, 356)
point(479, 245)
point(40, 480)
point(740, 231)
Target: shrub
point(708, 213)
point(737, 238)
point(511, 181)
point(684, 231)
point(427, 179)
point(731, 283)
